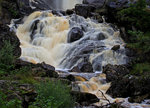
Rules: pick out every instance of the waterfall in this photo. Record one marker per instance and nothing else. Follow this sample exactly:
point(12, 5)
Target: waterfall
point(65, 4)
point(43, 37)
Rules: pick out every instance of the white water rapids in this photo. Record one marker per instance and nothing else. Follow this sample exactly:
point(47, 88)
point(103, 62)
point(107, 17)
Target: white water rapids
point(43, 37)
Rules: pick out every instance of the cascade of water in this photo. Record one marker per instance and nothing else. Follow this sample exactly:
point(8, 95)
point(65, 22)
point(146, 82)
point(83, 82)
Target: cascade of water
point(44, 38)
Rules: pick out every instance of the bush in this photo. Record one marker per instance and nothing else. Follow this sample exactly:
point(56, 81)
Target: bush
point(136, 15)
point(141, 68)
point(53, 95)
point(4, 103)
point(7, 59)
point(140, 42)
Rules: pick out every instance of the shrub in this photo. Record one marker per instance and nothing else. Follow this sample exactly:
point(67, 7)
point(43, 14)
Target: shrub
point(136, 15)
point(4, 103)
point(7, 58)
point(140, 68)
point(53, 95)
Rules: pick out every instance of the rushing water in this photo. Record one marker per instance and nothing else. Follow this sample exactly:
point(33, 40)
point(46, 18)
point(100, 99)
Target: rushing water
point(44, 38)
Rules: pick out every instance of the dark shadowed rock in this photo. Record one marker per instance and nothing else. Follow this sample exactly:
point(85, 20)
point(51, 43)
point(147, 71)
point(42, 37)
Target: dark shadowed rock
point(29, 6)
point(96, 3)
point(100, 36)
point(69, 11)
point(131, 86)
point(115, 48)
point(84, 98)
point(114, 72)
point(74, 34)
point(9, 10)
point(6, 35)
point(84, 10)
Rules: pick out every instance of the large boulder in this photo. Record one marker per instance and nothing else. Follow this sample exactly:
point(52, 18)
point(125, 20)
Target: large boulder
point(84, 10)
point(7, 36)
point(75, 34)
point(130, 86)
point(115, 72)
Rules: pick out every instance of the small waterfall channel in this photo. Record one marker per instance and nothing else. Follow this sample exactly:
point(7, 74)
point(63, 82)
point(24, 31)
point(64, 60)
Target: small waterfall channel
point(44, 36)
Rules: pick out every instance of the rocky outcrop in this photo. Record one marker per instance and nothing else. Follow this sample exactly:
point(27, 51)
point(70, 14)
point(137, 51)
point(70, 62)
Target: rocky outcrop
point(9, 10)
point(123, 84)
point(74, 34)
point(115, 72)
point(7, 36)
point(38, 70)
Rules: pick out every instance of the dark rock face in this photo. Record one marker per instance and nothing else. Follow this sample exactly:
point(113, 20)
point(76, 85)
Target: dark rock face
point(6, 35)
point(125, 85)
point(9, 10)
point(74, 34)
point(130, 86)
point(115, 72)
point(97, 3)
point(84, 10)
point(84, 98)
point(27, 7)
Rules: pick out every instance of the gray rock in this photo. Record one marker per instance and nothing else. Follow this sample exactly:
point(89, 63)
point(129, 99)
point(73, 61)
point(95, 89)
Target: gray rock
point(74, 34)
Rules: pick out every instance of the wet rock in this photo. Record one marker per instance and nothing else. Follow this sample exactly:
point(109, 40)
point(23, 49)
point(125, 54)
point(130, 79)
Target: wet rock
point(100, 36)
point(75, 78)
point(83, 67)
point(84, 10)
point(84, 98)
point(114, 72)
point(69, 11)
point(7, 35)
point(74, 34)
point(115, 48)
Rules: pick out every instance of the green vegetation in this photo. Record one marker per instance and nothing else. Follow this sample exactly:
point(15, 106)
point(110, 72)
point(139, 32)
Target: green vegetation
point(7, 59)
point(138, 16)
point(140, 68)
point(53, 95)
point(5, 103)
